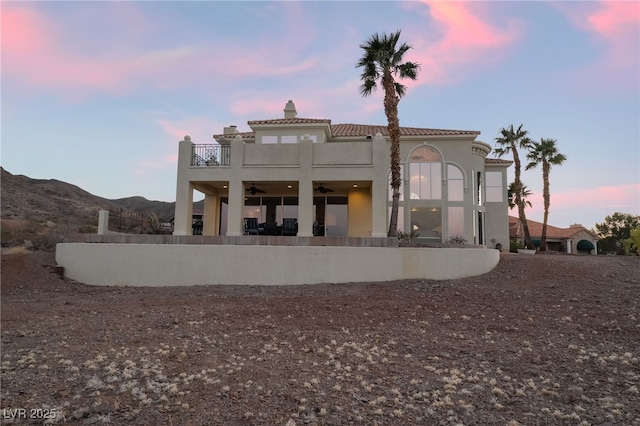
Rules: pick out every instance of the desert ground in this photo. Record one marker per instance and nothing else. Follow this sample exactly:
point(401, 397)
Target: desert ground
point(540, 340)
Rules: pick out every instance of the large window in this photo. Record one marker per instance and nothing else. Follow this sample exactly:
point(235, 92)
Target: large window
point(425, 171)
point(330, 216)
point(494, 190)
point(427, 221)
point(456, 222)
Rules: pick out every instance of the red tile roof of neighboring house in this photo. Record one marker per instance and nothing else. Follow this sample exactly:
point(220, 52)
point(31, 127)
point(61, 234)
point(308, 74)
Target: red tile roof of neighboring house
point(553, 232)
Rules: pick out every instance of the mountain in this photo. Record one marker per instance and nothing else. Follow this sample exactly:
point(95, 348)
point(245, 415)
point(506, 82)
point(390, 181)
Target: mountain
point(24, 198)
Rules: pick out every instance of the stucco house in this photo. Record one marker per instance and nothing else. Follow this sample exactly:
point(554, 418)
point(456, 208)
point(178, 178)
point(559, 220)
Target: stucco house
point(576, 239)
point(308, 177)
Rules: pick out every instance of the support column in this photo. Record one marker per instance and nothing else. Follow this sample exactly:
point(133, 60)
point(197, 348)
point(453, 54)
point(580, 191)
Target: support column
point(235, 218)
point(379, 183)
point(184, 190)
point(211, 215)
point(305, 188)
point(103, 222)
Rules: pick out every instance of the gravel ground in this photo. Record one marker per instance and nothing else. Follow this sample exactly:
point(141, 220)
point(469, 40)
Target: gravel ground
point(540, 340)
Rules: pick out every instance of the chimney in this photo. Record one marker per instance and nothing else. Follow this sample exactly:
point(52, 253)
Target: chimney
point(290, 110)
point(231, 130)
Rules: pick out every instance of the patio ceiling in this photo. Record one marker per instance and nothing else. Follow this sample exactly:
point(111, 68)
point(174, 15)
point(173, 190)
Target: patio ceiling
point(282, 188)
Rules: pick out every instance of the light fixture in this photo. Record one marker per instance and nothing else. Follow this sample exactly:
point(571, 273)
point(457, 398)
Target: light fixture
point(289, 186)
point(355, 185)
point(225, 186)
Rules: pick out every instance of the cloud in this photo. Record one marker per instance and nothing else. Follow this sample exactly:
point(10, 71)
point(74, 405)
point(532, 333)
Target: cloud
point(39, 53)
point(614, 26)
point(125, 51)
point(623, 198)
point(459, 41)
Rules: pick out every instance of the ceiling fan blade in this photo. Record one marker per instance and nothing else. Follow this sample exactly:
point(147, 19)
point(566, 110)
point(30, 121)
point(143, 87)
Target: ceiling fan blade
point(323, 189)
point(254, 190)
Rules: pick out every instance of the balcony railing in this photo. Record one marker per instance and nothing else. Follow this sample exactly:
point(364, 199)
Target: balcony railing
point(211, 155)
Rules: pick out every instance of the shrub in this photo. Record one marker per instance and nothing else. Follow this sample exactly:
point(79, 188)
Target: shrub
point(406, 239)
point(457, 239)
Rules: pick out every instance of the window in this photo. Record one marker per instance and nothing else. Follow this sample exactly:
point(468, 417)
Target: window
point(456, 222)
point(478, 199)
point(455, 183)
point(494, 191)
point(288, 139)
point(427, 221)
point(425, 171)
point(269, 139)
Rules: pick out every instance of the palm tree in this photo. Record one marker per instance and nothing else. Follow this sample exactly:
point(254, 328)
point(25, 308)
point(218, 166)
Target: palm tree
point(524, 194)
point(545, 153)
point(381, 63)
point(509, 142)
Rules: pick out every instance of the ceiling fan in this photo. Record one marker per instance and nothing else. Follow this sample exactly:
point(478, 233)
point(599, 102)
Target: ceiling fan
point(323, 189)
point(254, 190)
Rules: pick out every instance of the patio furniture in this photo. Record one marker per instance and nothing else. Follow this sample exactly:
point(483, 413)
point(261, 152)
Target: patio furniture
point(251, 226)
point(289, 226)
point(272, 228)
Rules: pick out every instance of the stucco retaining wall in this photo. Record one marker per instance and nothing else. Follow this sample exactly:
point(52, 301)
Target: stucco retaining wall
point(187, 264)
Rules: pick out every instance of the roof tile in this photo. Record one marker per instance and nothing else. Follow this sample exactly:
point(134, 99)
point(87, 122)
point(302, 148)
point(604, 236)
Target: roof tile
point(355, 130)
point(290, 121)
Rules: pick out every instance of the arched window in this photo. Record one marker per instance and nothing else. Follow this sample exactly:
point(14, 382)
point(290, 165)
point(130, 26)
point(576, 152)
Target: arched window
point(425, 170)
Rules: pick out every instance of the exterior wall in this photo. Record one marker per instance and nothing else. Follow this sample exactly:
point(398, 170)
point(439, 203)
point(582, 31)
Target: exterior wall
point(359, 213)
point(575, 239)
point(497, 216)
point(184, 265)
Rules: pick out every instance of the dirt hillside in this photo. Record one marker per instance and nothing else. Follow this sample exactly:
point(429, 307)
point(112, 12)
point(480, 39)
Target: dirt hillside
point(541, 340)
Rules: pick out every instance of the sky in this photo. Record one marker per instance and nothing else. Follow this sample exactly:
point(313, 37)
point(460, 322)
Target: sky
point(98, 94)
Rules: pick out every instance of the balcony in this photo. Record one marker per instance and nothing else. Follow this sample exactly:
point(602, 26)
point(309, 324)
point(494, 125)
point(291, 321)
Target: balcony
point(210, 155)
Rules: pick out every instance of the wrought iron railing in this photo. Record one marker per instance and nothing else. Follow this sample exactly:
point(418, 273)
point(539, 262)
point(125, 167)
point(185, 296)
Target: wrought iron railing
point(211, 155)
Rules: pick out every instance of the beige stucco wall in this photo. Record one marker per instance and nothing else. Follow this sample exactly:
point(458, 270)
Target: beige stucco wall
point(183, 265)
point(359, 213)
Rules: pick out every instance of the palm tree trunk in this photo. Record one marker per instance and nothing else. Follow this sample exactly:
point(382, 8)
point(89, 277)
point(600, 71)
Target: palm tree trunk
point(393, 125)
point(519, 201)
point(547, 197)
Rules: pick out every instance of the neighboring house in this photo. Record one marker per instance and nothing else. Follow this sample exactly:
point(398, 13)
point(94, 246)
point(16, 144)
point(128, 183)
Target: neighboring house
point(309, 177)
point(575, 239)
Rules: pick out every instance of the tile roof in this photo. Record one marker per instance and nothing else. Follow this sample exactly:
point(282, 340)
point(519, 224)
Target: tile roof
point(497, 161)
point(553, 232)
point(354, 130)
point(291, 121)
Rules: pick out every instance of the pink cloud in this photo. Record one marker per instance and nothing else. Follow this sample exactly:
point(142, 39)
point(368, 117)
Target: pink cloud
point(465, 36)
point(37, 51)
point(41, 52)
point(576, 202)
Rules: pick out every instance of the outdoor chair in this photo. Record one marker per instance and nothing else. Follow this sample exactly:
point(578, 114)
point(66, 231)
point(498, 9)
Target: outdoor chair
point(251, 226)
point(289, 226)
